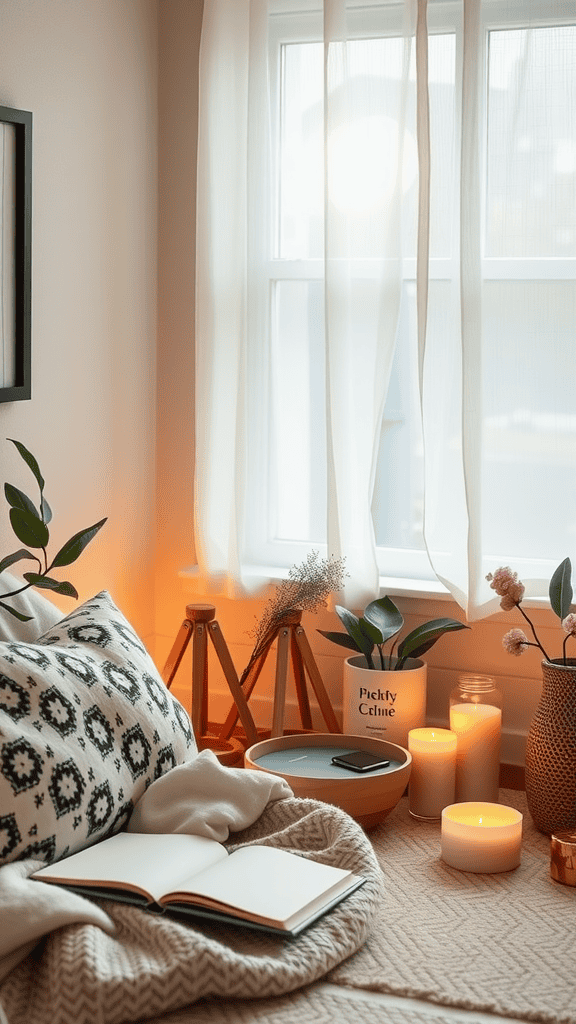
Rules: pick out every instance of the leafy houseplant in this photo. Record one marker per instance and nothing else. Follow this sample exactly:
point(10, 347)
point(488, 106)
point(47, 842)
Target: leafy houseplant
point(380, 623)
point(551, 741)
point(30, 524)
point(385, 697)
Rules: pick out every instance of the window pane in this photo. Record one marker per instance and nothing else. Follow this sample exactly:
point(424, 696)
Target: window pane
point(531, 199)
point(397, 508)
point(362, 154)
point(529, 488)
point(298, 442)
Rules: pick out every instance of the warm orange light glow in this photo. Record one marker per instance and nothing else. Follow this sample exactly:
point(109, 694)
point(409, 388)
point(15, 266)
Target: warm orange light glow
point(432, 740)
point(485, 815)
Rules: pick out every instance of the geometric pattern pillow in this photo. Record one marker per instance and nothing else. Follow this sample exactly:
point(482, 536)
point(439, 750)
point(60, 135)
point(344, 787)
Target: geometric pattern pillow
point(86, 725)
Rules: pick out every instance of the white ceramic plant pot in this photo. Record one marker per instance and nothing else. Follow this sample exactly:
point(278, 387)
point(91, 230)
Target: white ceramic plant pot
point(384, 704)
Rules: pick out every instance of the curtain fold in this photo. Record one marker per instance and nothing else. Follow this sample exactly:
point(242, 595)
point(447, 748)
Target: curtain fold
point(361, 312)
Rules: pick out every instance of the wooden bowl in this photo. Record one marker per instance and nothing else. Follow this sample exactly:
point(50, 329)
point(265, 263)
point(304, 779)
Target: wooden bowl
point(304, 760)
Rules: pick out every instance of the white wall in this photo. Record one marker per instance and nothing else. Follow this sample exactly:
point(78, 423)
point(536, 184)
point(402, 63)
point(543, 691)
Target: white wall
point(179, 24)
point(87, 69)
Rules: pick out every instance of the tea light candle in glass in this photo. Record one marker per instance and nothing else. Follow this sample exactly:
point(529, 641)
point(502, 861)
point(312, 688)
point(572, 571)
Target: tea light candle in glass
point(476, 718)
point(432, 776)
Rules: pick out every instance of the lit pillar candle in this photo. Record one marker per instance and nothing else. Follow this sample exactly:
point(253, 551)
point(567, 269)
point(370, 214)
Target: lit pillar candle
point(433, 771)
point(478, 728)
point(481, 837)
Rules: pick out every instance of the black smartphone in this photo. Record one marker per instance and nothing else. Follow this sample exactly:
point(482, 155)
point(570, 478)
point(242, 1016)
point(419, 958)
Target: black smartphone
point(360, 761)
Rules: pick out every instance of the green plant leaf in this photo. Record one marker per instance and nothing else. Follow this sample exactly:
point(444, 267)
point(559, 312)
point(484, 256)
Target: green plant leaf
point(17, 499)
point(561, 589)
point(74, 547)
point(16, 557)
point(371, 631)
point(30, 461)
point(424, 637)
point(17, 615)
point(352, 625)
point(29, 528)
point(343, 639)
point(46, 583)
point(46, 511)
point(384, 614)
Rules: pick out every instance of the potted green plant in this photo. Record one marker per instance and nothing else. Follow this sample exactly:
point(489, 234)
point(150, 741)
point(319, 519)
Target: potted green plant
point(385, 695)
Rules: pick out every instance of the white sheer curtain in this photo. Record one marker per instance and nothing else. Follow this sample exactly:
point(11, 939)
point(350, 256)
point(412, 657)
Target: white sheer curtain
point(232, 304)
point(425, 236)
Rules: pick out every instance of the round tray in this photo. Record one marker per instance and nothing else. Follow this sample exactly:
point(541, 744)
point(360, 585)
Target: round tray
point(304, 760)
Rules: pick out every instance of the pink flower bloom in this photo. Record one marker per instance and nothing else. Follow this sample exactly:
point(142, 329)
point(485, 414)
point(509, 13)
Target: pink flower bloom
point(516, 642)
point(569, 624)
point(507, 586)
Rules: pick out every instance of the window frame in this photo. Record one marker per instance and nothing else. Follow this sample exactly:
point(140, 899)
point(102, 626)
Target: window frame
point(300, 21)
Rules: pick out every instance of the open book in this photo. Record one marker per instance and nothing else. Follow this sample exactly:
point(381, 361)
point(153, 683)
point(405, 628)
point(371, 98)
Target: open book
point(259, 886)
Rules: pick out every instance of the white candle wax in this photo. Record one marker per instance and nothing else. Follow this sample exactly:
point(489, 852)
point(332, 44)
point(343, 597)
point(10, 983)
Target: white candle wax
point(481, 837)
point(432, 776)
point(478, 728)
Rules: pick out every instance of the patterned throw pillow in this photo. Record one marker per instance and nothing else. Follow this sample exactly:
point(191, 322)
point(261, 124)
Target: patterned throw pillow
point(86, 724)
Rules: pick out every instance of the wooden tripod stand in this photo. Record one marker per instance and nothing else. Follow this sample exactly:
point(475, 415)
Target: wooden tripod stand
point(199, 624)
point(292, 640)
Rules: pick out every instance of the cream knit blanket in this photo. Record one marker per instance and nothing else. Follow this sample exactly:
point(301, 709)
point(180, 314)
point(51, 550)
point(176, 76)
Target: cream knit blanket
point(83, 974)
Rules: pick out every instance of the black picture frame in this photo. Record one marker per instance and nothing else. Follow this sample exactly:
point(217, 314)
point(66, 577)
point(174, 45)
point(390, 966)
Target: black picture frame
point(19, 319)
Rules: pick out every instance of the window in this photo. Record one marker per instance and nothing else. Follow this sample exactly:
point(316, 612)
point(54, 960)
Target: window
point(528, 270)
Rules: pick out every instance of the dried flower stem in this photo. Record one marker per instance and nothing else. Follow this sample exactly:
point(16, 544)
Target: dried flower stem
point(306, 589)
point(538, 644)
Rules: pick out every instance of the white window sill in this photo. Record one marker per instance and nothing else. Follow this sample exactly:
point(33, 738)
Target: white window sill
point(428, 592)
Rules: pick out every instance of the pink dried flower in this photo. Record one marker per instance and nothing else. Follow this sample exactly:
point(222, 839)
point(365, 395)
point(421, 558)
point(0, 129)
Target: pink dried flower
point(569, 624)
point(507, 586)
point(516, 642)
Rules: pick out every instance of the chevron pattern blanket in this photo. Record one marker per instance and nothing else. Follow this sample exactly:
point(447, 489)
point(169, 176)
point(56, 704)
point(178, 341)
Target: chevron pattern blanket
point(82, 974)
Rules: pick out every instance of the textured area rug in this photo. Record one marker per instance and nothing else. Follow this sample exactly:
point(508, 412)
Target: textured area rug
point(82, 975)
point(322, 1004)
point(501, 943)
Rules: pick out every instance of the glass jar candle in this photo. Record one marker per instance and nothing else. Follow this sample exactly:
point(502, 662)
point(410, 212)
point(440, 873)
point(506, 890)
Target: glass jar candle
point(476, 718)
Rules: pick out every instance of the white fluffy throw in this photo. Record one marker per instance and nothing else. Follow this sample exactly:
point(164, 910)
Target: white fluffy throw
point(116, 963)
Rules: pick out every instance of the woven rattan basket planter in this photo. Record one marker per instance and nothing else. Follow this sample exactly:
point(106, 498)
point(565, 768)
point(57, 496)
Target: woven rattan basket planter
point(551, 751)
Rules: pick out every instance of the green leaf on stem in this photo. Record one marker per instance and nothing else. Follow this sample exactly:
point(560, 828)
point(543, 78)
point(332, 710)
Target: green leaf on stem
point(352, 624)
point(424, 637)
point(29, 528)
point(30, 461)
point(17, 499)
point(16, 557)
point(17, 615)
point(561, 589)
point(343, 639)
point(371, 631)
point(384, 614)
point(47, 583)
point(74, 547)
point(46, 510)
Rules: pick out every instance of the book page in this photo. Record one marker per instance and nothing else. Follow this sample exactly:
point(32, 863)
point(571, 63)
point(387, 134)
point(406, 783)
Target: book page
point(264, 881)
point(147, 863)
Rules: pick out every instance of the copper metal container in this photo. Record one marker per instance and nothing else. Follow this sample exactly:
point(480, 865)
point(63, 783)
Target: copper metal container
point(563, 857)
